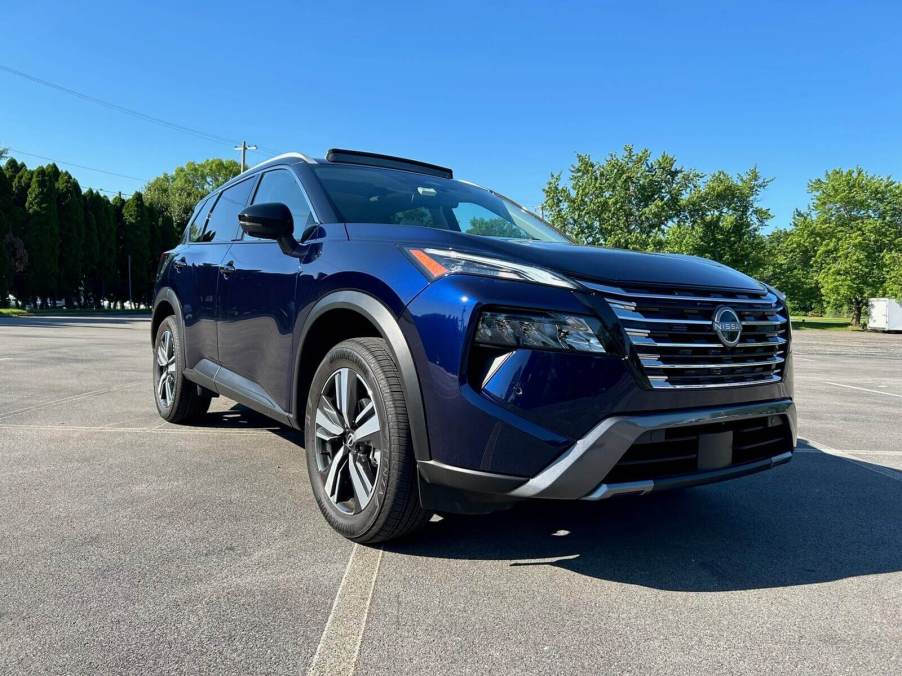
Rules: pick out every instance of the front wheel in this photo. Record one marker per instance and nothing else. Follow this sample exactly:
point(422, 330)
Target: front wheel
point(357, 436)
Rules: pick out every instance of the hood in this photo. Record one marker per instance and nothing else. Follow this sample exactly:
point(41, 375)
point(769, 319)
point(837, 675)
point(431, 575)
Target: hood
point(611, 266)
point(617, 266)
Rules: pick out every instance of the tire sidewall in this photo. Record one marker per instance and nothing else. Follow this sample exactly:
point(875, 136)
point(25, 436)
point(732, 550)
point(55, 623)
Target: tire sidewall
point(171, 325)
point(348, 355)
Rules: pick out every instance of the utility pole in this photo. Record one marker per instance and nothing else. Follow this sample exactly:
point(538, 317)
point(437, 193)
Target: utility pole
point(244, 147)
point(131, 302)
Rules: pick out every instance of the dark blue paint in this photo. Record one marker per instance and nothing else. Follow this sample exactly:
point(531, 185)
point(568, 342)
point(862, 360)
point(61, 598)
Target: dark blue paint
point(517, 421)
point(196, 284)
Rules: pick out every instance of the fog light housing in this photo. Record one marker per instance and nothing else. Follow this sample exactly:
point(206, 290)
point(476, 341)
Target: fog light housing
point(540, 331)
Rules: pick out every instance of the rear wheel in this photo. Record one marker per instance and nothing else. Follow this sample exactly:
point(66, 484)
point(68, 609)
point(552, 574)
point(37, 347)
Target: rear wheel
point(178, 399)
point(359, 454)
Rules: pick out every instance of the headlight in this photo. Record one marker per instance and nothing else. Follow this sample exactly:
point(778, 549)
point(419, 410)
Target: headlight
point(546, 331)
point(437, 263)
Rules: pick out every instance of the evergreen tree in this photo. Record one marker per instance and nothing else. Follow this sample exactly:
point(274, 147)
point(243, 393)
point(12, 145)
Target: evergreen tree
point(71, 235)
point(6, 204)
point(19, 178)
point(118, 291)
point(42, 236)
point(90, 251)
point(107, 247)
point(136, 241)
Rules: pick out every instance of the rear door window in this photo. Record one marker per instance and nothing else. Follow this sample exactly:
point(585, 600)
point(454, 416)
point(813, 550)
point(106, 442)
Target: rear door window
point(222, 225)
point(281, 186)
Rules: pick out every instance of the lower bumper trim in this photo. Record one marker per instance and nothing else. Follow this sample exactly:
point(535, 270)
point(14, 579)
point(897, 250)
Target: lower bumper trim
point(575, 474)
point(605, 491)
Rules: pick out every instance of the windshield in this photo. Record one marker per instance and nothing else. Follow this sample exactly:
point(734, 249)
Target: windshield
point(376, 195)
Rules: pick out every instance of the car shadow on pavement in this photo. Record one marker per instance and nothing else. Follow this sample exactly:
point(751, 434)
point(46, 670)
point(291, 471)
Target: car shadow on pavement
point(817, 519)
point(239, 417)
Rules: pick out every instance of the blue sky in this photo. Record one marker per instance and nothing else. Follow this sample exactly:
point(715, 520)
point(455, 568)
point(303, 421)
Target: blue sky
point(503, 92)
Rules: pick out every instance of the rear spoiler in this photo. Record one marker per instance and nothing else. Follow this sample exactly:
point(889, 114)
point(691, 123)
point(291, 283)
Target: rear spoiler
point(388, 161)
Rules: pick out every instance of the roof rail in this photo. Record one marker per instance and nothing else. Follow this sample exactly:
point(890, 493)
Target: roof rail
point(283, 156)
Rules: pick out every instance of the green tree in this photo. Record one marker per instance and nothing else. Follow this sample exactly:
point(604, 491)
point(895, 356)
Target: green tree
point(6, 206)
point(722, 220)
point(789, 256)
point(19, 179)
point(136, 247)
point(42, 236)
point(176, 194)
point(70, 210)
point(892, 263)
point(90, 251)
point(106, 282)
point(627, 201)
point(857, 220)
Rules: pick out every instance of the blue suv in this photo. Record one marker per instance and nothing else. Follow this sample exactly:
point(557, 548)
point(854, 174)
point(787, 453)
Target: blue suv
point(445, 350)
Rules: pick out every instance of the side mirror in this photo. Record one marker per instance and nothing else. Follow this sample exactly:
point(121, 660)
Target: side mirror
point(270, 220)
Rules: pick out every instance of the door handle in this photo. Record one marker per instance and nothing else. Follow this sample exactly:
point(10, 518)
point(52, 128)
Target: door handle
point(180, 263)
point(228, 268)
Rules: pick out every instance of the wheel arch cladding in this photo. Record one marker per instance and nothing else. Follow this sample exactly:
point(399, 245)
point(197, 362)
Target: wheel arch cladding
point(160, 312)
point(165, 304)
point(354, 314)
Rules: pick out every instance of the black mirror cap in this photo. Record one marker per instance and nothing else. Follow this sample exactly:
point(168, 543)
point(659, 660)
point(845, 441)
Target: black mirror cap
point(268, 220)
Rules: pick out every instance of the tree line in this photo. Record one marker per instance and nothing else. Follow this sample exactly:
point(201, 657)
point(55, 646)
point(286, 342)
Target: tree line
point(83, 249)
point(844, 247)
point(61, 244)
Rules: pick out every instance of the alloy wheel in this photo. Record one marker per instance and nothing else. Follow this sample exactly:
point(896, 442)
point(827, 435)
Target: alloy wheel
point(166, 369)
point(349, 439)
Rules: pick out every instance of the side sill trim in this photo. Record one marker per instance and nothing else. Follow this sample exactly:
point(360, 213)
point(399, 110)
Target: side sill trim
point(229, 384)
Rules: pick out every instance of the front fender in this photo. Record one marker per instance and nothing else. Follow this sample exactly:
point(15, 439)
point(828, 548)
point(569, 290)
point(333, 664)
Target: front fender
point(390, 330)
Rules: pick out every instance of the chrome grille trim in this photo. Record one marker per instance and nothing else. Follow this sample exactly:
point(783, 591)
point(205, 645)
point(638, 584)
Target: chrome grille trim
point(664, 385)
point(650, 363)
point(677, 347)
point(646, 341)
point(724, 300)
point(633, 316)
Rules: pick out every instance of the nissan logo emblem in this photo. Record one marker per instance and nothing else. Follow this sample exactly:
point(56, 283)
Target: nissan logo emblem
point(727, 326)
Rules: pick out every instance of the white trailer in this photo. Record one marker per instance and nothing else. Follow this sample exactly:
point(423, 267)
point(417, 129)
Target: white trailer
point(884, 314)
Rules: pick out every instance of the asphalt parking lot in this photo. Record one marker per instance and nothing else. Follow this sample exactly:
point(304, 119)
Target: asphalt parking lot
point(127, 544)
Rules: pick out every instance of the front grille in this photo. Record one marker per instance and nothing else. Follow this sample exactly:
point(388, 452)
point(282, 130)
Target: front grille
point(673, 335)
point(659, 454)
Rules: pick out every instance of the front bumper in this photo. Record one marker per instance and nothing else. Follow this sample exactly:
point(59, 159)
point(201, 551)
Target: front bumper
point(515, 417)
point(579, 472)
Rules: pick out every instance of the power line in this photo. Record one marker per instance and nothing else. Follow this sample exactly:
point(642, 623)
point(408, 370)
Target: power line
point(122, 109)
point(80, 166)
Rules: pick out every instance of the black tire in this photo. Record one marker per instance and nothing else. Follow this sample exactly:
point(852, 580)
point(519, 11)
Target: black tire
point(393, 505)
point(178, 400)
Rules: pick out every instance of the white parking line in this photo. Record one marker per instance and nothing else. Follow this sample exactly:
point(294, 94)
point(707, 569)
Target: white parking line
point(339, 646)
point(864, 389)
point(864, 464)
